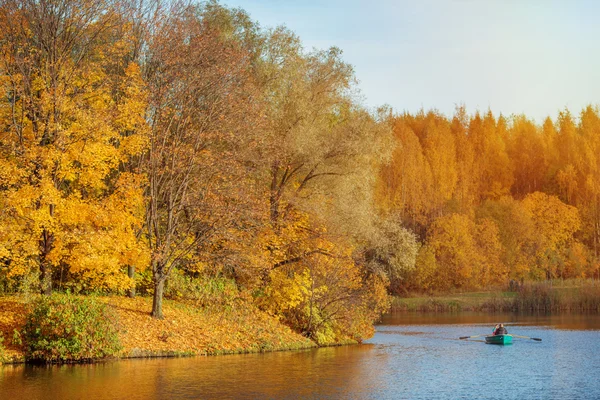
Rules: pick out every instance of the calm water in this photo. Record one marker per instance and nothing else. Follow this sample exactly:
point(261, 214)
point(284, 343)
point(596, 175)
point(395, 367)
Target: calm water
point(412, 356)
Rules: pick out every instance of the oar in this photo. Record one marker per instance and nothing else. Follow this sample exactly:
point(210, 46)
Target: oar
point(527, 337)
point(469, 337)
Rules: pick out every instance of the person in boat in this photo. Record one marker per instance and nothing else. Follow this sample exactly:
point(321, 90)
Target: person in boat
point(500, 330)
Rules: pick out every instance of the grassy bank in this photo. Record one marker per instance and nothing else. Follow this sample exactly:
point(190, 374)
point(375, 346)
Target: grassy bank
point(552, 297)
point(472, 301)
point(185, 330)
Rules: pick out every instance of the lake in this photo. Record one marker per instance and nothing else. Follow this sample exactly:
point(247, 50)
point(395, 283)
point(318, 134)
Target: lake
point(411, 356)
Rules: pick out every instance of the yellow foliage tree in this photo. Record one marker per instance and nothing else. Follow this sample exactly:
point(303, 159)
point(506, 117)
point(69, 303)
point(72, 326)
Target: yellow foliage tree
point(589, 189)
point(515, 232)
point(467, 254)
point(555, 224)
point(405, 184)
point(66, 209)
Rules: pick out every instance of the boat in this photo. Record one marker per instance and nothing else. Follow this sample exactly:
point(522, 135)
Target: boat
point(499, 339)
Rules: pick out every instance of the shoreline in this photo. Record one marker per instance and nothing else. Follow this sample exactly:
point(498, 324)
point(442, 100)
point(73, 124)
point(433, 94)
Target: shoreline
point(186, 330)
point(548, 297)
point(149, 355)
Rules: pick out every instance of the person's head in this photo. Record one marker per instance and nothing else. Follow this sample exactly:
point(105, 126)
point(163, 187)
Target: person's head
point(501, 325)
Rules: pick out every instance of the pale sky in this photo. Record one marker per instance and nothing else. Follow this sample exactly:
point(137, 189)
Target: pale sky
point(511, 56)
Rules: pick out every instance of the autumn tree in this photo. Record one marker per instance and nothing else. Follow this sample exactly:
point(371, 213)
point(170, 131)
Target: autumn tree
point(555, 224)
point(315, 132)
point(319, 151)
point(496, 170)
point(590, 187)
point(66, 208)
point(466, 193)
point(201, 103)
point(392, 250)
point(467, 253)
point(516, 234)
point(405, 183)
point(526, 150)
point(325, 294)
point(314, 162)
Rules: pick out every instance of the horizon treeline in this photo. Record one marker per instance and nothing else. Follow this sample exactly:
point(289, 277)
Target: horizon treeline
point(494, 199)
point(178, 149)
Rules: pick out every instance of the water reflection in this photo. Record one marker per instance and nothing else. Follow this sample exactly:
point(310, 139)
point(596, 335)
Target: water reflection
point(562, 321)
point(331, 372)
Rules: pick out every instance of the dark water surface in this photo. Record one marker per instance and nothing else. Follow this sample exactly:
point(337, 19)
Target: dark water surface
point(412, 356)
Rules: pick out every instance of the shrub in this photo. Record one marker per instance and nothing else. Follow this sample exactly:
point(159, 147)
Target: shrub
point(26, 283)
point(65, 328)
point(203, 291)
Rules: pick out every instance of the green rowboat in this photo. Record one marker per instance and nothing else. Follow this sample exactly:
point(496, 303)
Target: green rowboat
point(499, 339)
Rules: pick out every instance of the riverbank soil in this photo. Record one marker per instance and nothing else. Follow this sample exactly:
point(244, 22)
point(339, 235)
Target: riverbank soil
point(185, 330)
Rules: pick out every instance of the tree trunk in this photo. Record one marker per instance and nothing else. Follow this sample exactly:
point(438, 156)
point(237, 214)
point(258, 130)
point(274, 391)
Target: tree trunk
point(45, 278)
point(596, 236)
point(131, 274)
point(274, 196)
point(159, 286)
point(46, 243)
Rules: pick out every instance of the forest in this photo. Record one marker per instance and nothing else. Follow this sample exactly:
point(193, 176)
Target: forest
point(158, 148)
point(494, 199)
